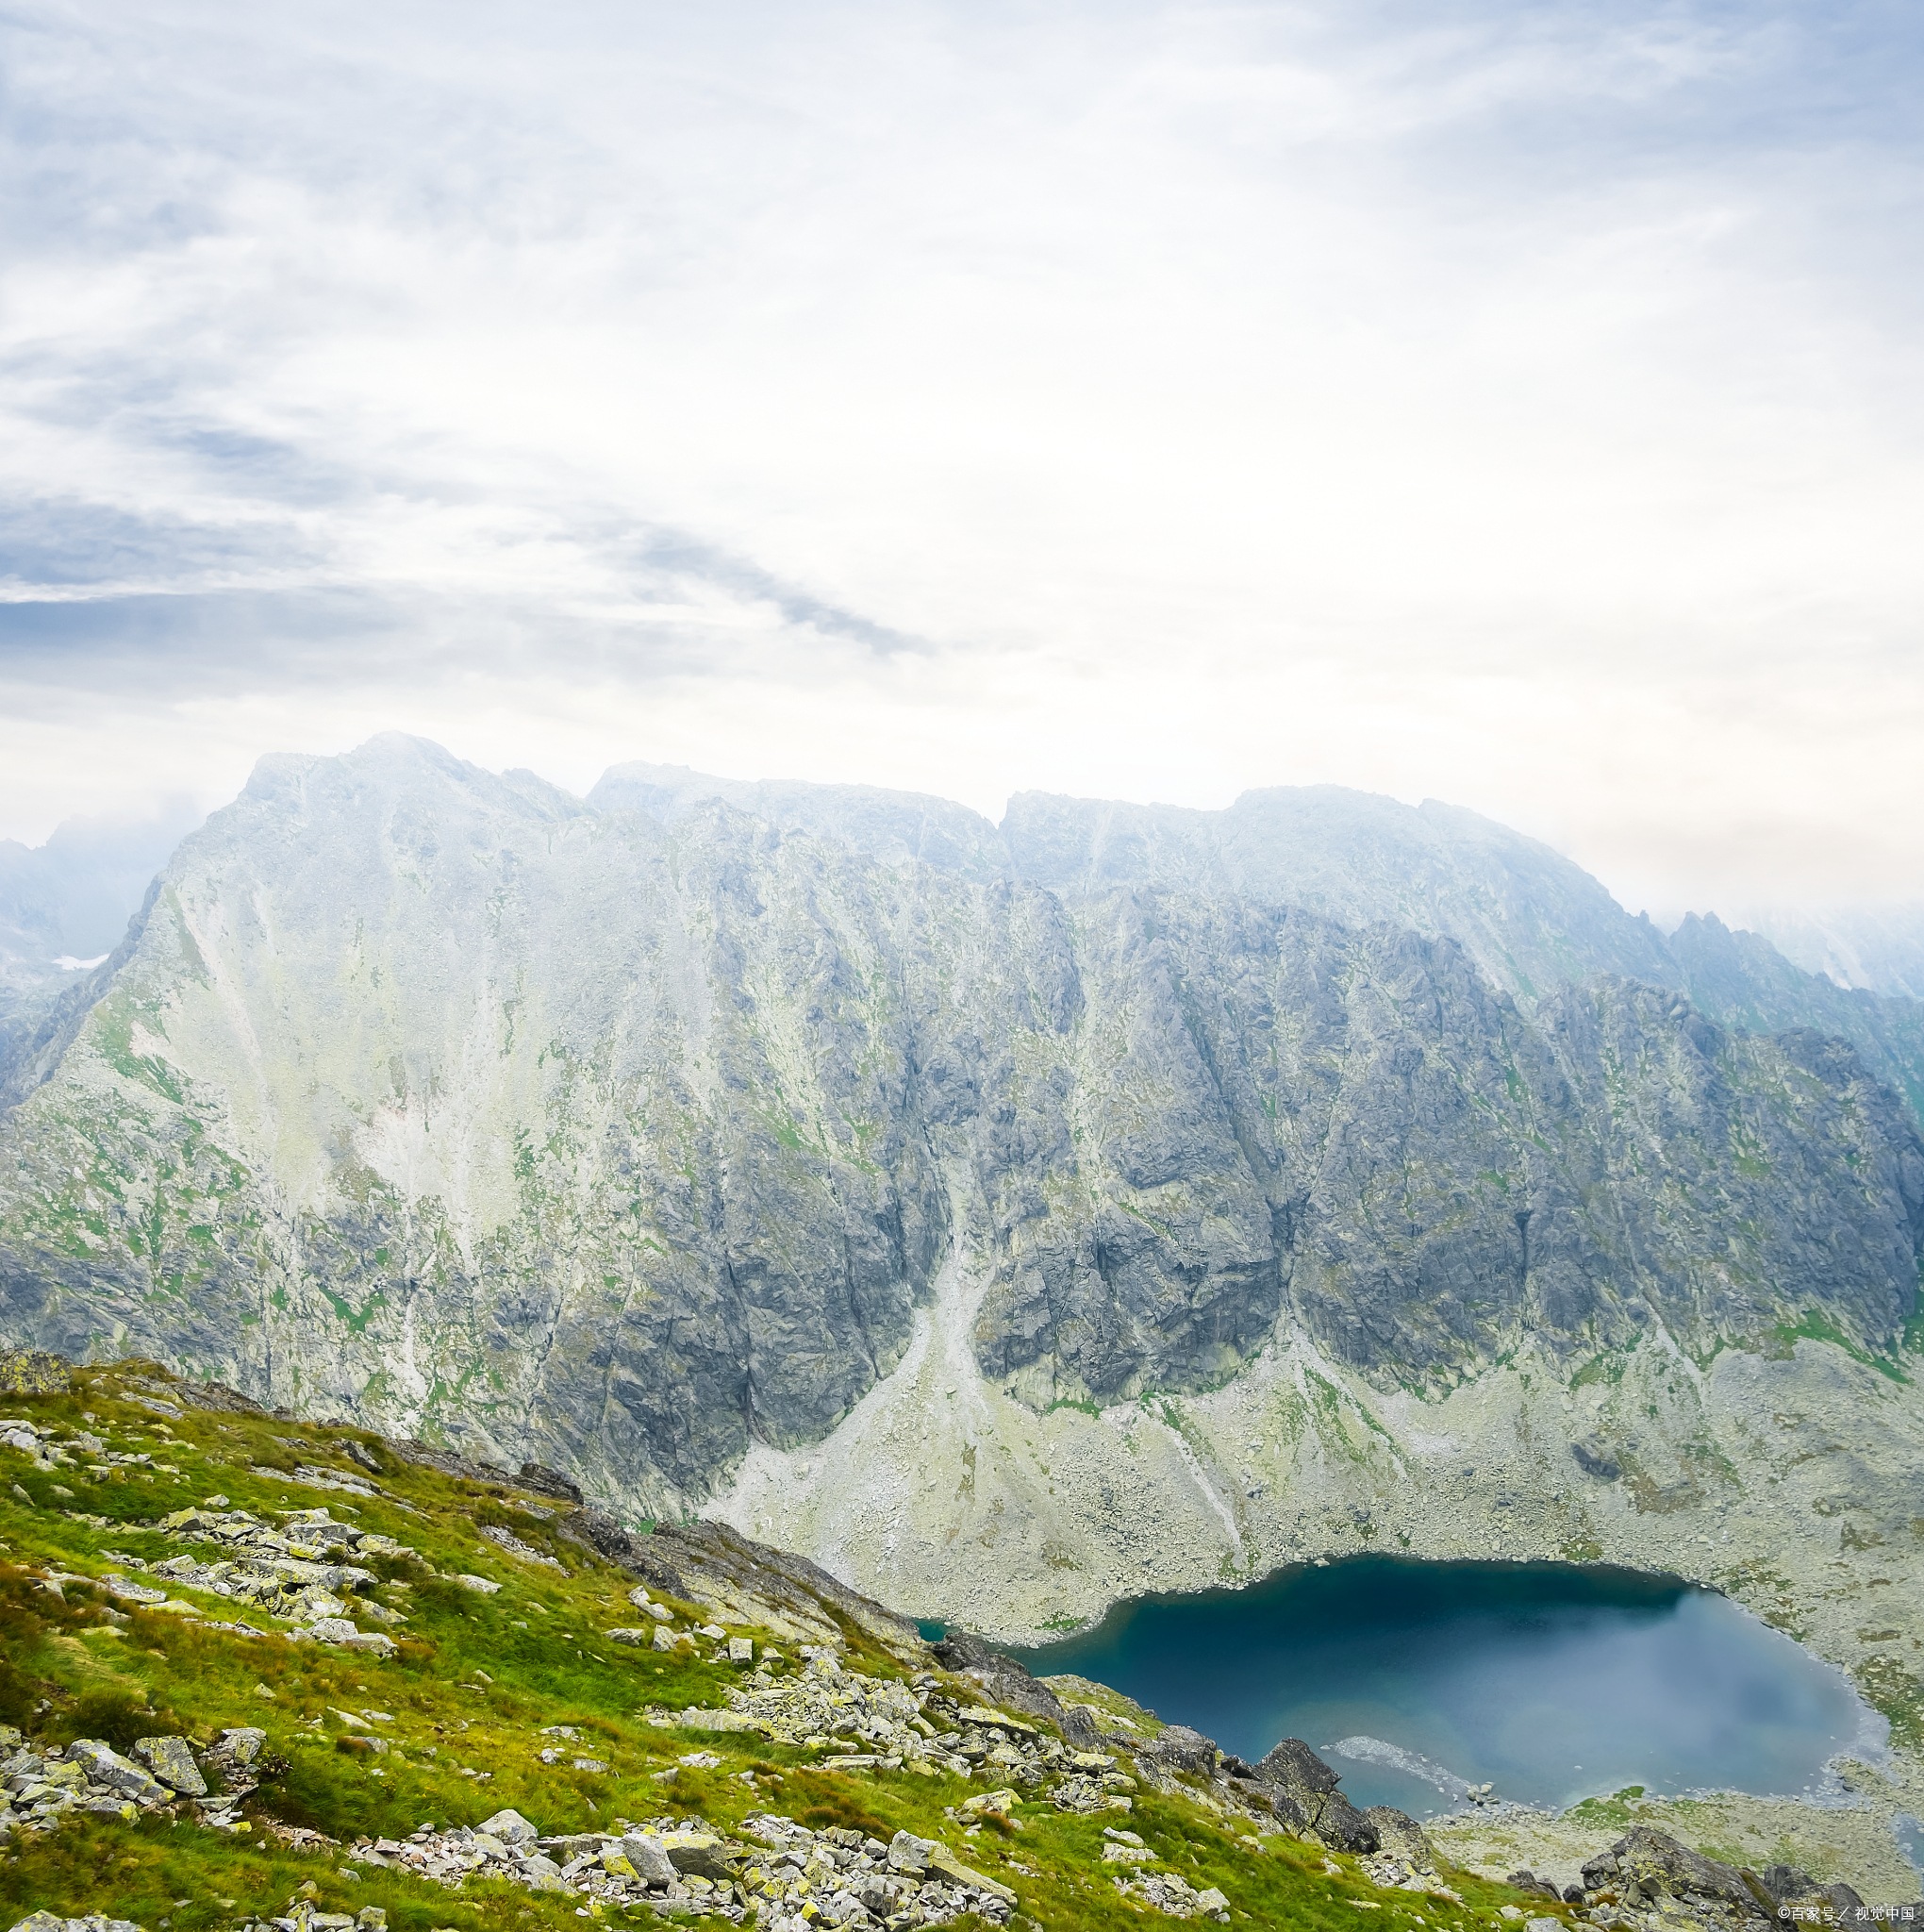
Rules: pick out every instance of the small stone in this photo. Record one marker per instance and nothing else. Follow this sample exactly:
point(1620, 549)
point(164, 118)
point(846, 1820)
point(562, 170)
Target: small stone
point(477, 1583)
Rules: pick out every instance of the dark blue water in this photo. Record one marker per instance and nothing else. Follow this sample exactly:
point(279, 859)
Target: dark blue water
point(1550, 1681)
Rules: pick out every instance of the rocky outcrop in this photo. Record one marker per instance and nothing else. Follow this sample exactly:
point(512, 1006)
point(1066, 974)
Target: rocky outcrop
point(1304, 1796)
point(1652, 1881)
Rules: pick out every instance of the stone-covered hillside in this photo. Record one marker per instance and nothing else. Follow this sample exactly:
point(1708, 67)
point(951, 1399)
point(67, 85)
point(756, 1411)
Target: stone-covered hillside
point(259, 1673)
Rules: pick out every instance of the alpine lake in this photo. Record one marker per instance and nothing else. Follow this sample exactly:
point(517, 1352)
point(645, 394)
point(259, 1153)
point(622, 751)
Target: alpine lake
point(1551, 1682)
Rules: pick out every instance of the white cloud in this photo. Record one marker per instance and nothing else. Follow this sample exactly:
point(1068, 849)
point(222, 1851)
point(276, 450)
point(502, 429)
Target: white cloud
point(1515, 406)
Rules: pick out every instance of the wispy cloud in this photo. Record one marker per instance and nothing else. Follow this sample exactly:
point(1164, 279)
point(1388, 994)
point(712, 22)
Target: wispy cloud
point(1517, 404)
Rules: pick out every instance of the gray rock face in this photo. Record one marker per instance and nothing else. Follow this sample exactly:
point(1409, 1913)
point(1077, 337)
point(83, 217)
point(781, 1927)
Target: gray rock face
point(1525, 913)
point(1745, 981)
point(1304, 1796)
point(582, 1139)
point(1530, 918)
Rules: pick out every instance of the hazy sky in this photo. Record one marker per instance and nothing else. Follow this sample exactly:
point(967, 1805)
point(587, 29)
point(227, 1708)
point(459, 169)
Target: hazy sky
point(1518, 405)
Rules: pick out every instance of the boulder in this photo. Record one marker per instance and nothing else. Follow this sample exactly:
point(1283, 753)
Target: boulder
point(543, 1481)
point(1341, 1826)
point(1292, 1762)
point(650, 1859)
point(701, 1852)
point(945, 1865)
point(1788, 1885)
point(909, 1854)
point(33, 1371)
point(1303, 1797)
point(1657, 1866)
point(103, 1765)
point(1401, 1837)
point(1186, 1750)
point(510, 1827)
point(171, 1762)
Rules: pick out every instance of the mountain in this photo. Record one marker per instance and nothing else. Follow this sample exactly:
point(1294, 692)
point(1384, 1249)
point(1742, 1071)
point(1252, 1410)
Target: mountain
point(1531, 920)
point(897, 827)
point(64, 907)
point(1747, 982)
point(1874, 948)
point(1009, 1248)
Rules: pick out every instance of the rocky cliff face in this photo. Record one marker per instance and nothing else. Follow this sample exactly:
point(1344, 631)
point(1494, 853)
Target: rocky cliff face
point(440, 1099)
point(1529, 919)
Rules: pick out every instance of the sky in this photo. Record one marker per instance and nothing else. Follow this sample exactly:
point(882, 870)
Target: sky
point(1514, 405)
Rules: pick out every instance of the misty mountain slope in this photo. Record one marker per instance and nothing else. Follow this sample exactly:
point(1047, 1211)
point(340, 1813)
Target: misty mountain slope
point(1527, 916)
point(1530, 918)
point(897, 827)
point(1743, 979)
point(432, 1096)
point(70, 898)
point(1877, 948)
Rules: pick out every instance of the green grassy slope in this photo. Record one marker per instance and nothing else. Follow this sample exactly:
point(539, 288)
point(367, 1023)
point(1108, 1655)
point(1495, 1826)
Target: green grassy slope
point(464, 1700)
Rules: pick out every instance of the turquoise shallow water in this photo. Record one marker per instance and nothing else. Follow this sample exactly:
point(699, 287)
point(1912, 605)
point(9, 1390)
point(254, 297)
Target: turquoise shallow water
point(1551, 1681)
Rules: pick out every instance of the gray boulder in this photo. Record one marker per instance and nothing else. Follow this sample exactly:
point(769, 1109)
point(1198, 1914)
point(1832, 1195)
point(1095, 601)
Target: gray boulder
point(510, 1827)
point(1186, 1750)
point(1303, 1797)
point(1292, 1762)
point(103, 1765)
point(171, 1762)
point(1401, 1837)
point(650, 1859)
point(1658, 1866)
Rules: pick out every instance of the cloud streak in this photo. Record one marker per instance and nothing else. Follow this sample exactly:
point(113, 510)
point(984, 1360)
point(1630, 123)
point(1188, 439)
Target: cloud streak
point(1510, 403)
